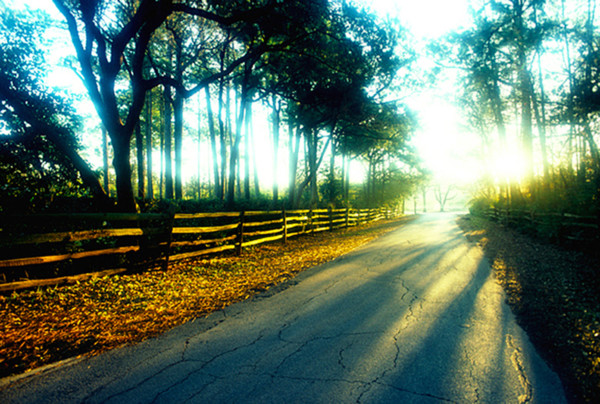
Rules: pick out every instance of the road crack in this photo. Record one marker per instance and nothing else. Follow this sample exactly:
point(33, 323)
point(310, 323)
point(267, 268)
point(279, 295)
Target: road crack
point(517, 360)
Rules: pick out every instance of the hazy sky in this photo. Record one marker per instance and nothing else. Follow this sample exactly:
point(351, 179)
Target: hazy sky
point(446, 147)
point(424, 18)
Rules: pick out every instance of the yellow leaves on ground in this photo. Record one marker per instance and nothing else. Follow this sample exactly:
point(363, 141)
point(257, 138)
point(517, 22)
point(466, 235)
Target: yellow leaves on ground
point(50, 324)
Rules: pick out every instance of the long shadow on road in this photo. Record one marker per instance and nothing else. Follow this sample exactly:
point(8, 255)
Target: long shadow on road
point(412, 317)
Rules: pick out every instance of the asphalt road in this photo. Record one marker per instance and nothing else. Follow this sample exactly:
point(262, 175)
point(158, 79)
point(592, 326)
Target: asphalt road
point(414, 317)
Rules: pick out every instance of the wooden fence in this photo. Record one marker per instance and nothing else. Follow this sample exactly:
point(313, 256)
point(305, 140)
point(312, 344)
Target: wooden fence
point(44, 250)
point(560, 227)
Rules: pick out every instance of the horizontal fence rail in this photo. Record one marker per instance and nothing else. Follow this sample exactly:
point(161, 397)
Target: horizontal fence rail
point(45, 250)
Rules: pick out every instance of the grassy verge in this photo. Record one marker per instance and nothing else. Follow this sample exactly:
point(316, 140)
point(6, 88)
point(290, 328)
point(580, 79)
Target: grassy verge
point(42, 326)
point(555, 294)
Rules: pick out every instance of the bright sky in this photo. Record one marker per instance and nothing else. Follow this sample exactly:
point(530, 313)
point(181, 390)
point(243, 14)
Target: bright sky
point(445, 146)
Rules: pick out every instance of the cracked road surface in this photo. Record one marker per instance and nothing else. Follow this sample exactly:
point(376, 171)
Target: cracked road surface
point(413, 317)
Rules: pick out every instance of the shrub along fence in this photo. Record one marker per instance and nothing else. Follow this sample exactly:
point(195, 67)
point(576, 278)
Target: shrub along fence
point(563, 228)
point(44, 250)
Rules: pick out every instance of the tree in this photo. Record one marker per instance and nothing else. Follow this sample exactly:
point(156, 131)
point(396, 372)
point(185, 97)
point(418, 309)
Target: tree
point(496, 57)
point(322, 81)
point(40, 124)
point(443, 197)
point(108, 48)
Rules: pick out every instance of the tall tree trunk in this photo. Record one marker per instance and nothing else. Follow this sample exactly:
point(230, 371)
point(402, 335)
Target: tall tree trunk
point(148, 130)
point(347, 180)
point(498, 112)
point(275, 120)
point(178, 106)
point(294, 150)
point(368, 184)
point(332, 173)
point(371, 180)
point(525, 87)
point(526, 123)
point(541, 117)
point(311, 176)
point(250, 132)
point(139, 146)
point(199, 151)
point(213, 144)
point(163, 130)
point(178, 136)
point(168, 172)
point(105, 160)
point(312, 144)
point(595, 154)
point(223, 132)
point(570, 104)
point(247, 152)
point(332, 194)
point(122, 148)
point(235, 148)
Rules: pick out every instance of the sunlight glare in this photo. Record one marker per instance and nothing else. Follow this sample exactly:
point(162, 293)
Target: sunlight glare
point(424, 18)
point(509, 165)
point(447, 148)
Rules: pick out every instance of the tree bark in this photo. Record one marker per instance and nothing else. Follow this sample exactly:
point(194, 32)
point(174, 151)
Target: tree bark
point(332, 173)
point(105, 160)
point(168, 169)
point(275, 121)
point(139, 146)
point(541, 124)
point(178, 105)
point(150, 188)
point(311, 177)
point(294, 150)
point(223, 132)
point(247, 151)
point(347, 180)
point(178, 137)
point(161, 181)
point(213, 143)
point(250, 132)
point(526, 124)
point(541, 117)
point(312, 144)
point(122, 149)
point(235, 148)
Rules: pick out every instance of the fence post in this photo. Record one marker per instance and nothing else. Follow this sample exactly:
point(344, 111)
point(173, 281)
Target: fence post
point(284, 216)
point(169, 228)
point(240, 234)
point(330, 212)
point(347, 217)
point(309, 221)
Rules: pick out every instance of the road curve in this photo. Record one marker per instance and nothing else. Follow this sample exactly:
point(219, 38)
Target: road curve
point(413, 317)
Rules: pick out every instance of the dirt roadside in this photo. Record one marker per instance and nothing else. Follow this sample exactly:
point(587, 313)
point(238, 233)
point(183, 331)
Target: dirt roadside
point(555, 294)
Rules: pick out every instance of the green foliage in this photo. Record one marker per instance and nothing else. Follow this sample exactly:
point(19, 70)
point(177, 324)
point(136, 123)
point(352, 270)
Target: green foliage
point(33, 171)
point(479, 206)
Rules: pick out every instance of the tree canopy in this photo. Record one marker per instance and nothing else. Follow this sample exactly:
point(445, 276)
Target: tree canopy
point(39, 146)
point(323, 67)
